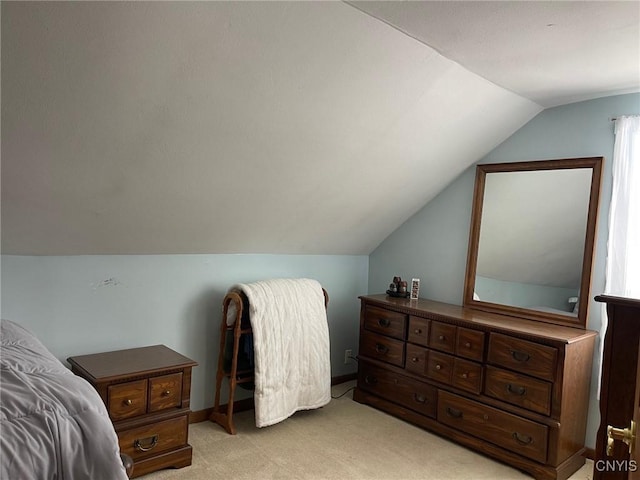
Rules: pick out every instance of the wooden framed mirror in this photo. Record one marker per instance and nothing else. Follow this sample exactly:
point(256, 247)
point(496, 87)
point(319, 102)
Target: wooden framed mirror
point(532, 237)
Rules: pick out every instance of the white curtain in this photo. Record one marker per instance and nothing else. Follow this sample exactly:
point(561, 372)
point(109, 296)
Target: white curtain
point(622, 275)
point(623, 248)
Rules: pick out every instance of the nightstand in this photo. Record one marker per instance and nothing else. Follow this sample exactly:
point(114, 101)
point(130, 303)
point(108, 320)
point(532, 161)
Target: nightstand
point(147, 393)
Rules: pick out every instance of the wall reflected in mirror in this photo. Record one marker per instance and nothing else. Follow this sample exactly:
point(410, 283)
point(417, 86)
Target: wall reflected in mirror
point(532, 238)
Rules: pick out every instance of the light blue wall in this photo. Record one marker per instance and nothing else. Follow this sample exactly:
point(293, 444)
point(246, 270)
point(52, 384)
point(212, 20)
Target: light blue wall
point(432, 245)
point(87, 304)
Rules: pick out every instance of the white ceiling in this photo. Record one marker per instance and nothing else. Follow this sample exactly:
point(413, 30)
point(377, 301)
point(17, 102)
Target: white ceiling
point(551, 52)
point(267, 127)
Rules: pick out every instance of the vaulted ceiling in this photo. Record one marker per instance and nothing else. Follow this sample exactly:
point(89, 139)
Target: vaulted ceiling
point(273, 127)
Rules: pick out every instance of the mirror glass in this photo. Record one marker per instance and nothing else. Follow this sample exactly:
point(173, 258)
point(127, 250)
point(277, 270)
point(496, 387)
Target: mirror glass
point(532, 239)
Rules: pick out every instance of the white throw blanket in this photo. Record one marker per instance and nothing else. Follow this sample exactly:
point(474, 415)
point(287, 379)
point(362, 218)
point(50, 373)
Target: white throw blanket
point(291, 347)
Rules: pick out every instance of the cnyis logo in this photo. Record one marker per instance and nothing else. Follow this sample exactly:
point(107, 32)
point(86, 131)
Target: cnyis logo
point(616, 465)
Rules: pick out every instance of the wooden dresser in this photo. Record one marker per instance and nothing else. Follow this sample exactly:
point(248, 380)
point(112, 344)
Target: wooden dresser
point(147, 393)
point(514, 389)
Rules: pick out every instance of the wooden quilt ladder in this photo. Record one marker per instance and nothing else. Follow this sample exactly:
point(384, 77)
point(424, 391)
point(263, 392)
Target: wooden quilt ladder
point(229, 365)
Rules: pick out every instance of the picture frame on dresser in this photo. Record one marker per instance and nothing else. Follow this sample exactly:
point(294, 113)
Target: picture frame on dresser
point(509, 381)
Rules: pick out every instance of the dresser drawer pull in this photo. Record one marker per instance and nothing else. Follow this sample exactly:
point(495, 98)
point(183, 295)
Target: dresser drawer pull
point(467, 345)
point(415, 359)
point(152, 444)
point(370, 380)
point(384, 322)
point(166, 393)
point(438, 366)
point(381, 348)
point(519, 390)
point(127, 401)
point(520, 356)
point(417, 331)
point(419, 398)
point(455, 413)
point(464, 375)
point(442, 338)
point(522, 439)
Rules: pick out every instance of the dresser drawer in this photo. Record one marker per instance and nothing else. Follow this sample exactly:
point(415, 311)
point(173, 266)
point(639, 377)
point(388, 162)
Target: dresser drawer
point(508, 431)
point(165, 391)
point(442, 337)
point(405, 391)
point(526, 392)
point(523, 356)
point(382, 348)
point(416, 361)
point(385, 322)
point(470, 344)
point(439, 366)
point(127, 400)
point(467, 375)
point(418, 330)
point(154, 438)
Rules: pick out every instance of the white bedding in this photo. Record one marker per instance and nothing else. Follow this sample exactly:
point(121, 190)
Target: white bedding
point(291, 347)
point(53, 424)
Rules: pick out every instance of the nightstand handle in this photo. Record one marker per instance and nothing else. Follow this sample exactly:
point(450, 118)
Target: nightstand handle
point(128, 401)
point(166, 393)
point(154, 442)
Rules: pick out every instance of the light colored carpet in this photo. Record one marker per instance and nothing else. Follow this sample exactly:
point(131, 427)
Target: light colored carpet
point(343, 440)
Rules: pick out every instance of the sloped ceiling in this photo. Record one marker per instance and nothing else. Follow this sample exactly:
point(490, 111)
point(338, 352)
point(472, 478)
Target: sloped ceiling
point(551, 52)
point(228, 127)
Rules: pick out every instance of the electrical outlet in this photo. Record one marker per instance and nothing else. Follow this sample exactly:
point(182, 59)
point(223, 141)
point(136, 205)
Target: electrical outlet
point(347, 356)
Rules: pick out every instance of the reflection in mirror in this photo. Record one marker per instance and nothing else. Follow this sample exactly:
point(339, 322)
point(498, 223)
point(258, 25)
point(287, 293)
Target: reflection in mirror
point(532, 235)
point(532, 239)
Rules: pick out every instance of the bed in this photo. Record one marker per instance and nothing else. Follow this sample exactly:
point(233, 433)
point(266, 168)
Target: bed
point(53, 423)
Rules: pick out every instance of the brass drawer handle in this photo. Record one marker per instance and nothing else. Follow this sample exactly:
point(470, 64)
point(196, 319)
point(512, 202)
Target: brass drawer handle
point(520, 356)
point(381, 349)
point(417, 331)
point(419, 398)
point(438, 366)
point(384, 322)
point(442, 338)
point(370, 380)
point(522, 439)
point(154, 441)
point(415, 359)
point(519, 390)
point(467, 345)
point(166, 393)
point(127, 401)
point(464, 375)
point(453, 412)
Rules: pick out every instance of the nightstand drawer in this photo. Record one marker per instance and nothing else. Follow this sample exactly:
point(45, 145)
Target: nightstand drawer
point(165, 392)
point(154, 438)
point(127, 400)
